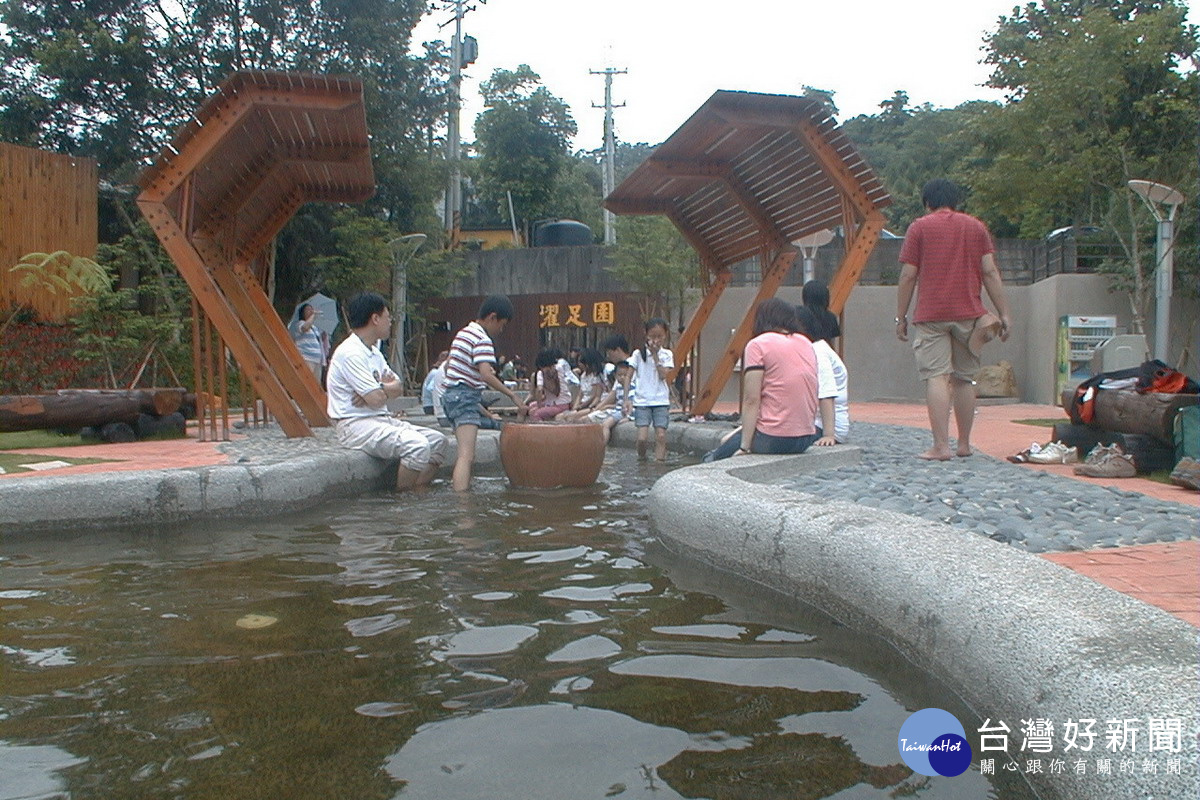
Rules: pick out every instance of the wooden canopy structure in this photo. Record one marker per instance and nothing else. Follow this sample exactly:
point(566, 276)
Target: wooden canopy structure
point(748, 175)
point(263, 145)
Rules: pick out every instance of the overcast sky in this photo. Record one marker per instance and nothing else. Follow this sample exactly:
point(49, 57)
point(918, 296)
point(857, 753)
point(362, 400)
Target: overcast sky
point(678, 52)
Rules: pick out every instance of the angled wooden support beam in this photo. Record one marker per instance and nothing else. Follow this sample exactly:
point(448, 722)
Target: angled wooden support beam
point(772, 279)
point(285, 209)
point(219, 309)
point(172, 168)
point(708, 256)
point(687, 339)
point(754, 209)
point(265, 328)
point(834, 167)
point(857, 253)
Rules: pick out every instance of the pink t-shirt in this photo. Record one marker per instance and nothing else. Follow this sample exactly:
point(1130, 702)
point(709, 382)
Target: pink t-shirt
point(947, 248)
point(788, 403)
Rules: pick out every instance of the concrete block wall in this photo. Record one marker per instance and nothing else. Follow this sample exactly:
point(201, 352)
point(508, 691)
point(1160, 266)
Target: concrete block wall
point(881, 367)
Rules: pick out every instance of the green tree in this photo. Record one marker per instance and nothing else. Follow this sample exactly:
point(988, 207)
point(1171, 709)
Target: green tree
point(112, 79)
point(522, 138)
point(651, 255)
point(907, 146)
point(361, 259)
point(1096, 97)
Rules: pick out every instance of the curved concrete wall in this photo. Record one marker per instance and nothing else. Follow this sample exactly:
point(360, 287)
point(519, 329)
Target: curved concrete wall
point(1014, 635)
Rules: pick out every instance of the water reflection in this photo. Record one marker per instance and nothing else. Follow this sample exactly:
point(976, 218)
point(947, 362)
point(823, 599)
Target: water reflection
point(505, 644)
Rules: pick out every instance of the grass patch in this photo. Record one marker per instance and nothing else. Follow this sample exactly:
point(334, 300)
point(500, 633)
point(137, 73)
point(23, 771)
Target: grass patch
point(1042, 423)
point(11, 462)
point(1158, 476)
point(30, 440)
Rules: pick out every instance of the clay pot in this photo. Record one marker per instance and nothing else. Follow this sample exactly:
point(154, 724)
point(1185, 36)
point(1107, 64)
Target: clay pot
point(543, 456)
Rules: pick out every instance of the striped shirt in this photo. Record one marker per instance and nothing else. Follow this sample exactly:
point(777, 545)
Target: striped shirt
point(471, 347)
point(308, 342)
point(947, 248)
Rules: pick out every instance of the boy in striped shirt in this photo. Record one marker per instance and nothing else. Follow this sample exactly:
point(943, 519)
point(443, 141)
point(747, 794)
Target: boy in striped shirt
point(470, 369)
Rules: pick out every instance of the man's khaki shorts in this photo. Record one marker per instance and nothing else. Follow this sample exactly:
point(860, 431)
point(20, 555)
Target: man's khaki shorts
point(941, 349)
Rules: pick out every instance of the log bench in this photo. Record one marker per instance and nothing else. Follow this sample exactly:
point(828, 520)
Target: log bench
point(1142, 424)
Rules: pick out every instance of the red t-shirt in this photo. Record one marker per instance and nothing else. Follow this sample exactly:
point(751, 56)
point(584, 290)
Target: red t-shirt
point(947, 248)
point(788, 403)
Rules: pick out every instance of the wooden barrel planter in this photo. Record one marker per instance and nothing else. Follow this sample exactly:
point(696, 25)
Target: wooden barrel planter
point(545, 456)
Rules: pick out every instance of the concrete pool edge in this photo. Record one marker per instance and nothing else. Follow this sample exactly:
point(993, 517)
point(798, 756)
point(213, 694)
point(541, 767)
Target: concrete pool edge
point(248, 489)
point(1015, 636)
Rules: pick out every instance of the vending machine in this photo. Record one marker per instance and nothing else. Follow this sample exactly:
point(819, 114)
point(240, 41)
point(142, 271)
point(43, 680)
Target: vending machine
point(1078, 337)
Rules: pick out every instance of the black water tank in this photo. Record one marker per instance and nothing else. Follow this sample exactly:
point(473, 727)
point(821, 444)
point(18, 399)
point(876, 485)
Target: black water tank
point(563, 233)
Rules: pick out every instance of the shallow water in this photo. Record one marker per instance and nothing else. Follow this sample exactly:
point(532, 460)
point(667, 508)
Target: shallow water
point(508, 644)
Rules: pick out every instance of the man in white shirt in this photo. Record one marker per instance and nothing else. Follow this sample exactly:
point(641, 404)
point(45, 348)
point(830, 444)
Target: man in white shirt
point(360, 383)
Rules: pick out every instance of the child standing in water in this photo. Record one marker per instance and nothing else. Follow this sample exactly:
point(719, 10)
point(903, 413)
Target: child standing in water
point(652, 363)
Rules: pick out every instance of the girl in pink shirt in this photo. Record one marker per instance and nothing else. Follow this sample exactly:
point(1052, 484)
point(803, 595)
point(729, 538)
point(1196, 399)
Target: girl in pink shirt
point(779, 387)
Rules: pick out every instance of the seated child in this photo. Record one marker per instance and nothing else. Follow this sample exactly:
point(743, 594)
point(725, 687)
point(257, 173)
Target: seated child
point(552, 394)
point(611, 410)
point(592, 386)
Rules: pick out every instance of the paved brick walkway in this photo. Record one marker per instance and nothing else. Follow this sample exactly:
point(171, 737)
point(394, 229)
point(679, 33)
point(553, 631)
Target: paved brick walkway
point(165, 454)
point(1164, 575)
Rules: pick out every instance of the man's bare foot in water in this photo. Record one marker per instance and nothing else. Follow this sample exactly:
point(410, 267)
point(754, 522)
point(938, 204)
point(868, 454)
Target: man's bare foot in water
point(934, 454)
point(964, 451)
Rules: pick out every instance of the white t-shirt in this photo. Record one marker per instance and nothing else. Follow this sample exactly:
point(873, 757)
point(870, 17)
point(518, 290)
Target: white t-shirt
point(587, 386)
point(438, 389)
point(355, 369)
point(652, 390)
point(833, 382)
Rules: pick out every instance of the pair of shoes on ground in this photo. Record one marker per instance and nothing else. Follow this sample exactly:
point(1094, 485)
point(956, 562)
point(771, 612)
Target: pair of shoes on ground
point(1107, 461)
point(1052, 453)
point(1186, 473)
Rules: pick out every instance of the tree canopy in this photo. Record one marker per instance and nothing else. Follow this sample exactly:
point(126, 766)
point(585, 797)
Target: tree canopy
point(523, 138)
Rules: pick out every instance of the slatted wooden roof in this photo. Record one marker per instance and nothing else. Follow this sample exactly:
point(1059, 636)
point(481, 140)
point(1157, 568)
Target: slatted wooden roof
point(751, 172)
point(261, 146)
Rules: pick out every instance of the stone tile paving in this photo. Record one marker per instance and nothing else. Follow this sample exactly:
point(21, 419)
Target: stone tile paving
point(1032, 510)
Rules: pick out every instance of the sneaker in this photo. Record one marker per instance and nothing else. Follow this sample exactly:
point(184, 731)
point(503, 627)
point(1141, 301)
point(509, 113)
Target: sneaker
point(1054, 453)
point(1186, 473)
point(1107, 462)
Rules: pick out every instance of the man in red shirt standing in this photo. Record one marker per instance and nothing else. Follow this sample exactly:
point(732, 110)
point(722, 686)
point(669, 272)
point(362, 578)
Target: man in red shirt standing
point(947, 257)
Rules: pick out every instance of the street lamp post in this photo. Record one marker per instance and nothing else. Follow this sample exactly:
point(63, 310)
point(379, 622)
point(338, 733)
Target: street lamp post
point(1158, 196)
point(808, 247)
point(403, 249)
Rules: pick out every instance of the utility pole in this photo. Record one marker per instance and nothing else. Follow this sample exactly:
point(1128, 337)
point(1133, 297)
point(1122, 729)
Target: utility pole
point(610, 147)
point(462, 52)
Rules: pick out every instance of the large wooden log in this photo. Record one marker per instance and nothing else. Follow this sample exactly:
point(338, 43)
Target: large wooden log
point(1152, 413)
point(1126, 411)
point(72, 409)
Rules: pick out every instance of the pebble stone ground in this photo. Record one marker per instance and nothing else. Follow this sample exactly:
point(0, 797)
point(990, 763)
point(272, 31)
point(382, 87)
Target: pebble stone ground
point(1031, 510)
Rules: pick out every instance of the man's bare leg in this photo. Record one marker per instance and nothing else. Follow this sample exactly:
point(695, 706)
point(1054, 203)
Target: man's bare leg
point(643, 441)
point(963, 396)
point(465, 436)
point(406, 478)
point(937, 403)
point(660, 444)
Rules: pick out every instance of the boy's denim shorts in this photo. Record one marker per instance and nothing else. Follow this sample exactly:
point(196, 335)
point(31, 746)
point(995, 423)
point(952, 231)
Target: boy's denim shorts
point(644, 416)
point(462, 406)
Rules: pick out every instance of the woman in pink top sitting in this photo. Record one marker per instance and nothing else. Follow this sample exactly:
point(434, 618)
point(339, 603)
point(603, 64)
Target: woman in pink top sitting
point(779, 387)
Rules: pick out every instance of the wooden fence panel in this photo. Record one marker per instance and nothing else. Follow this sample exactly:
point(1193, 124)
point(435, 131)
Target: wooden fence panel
point(47, 203)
